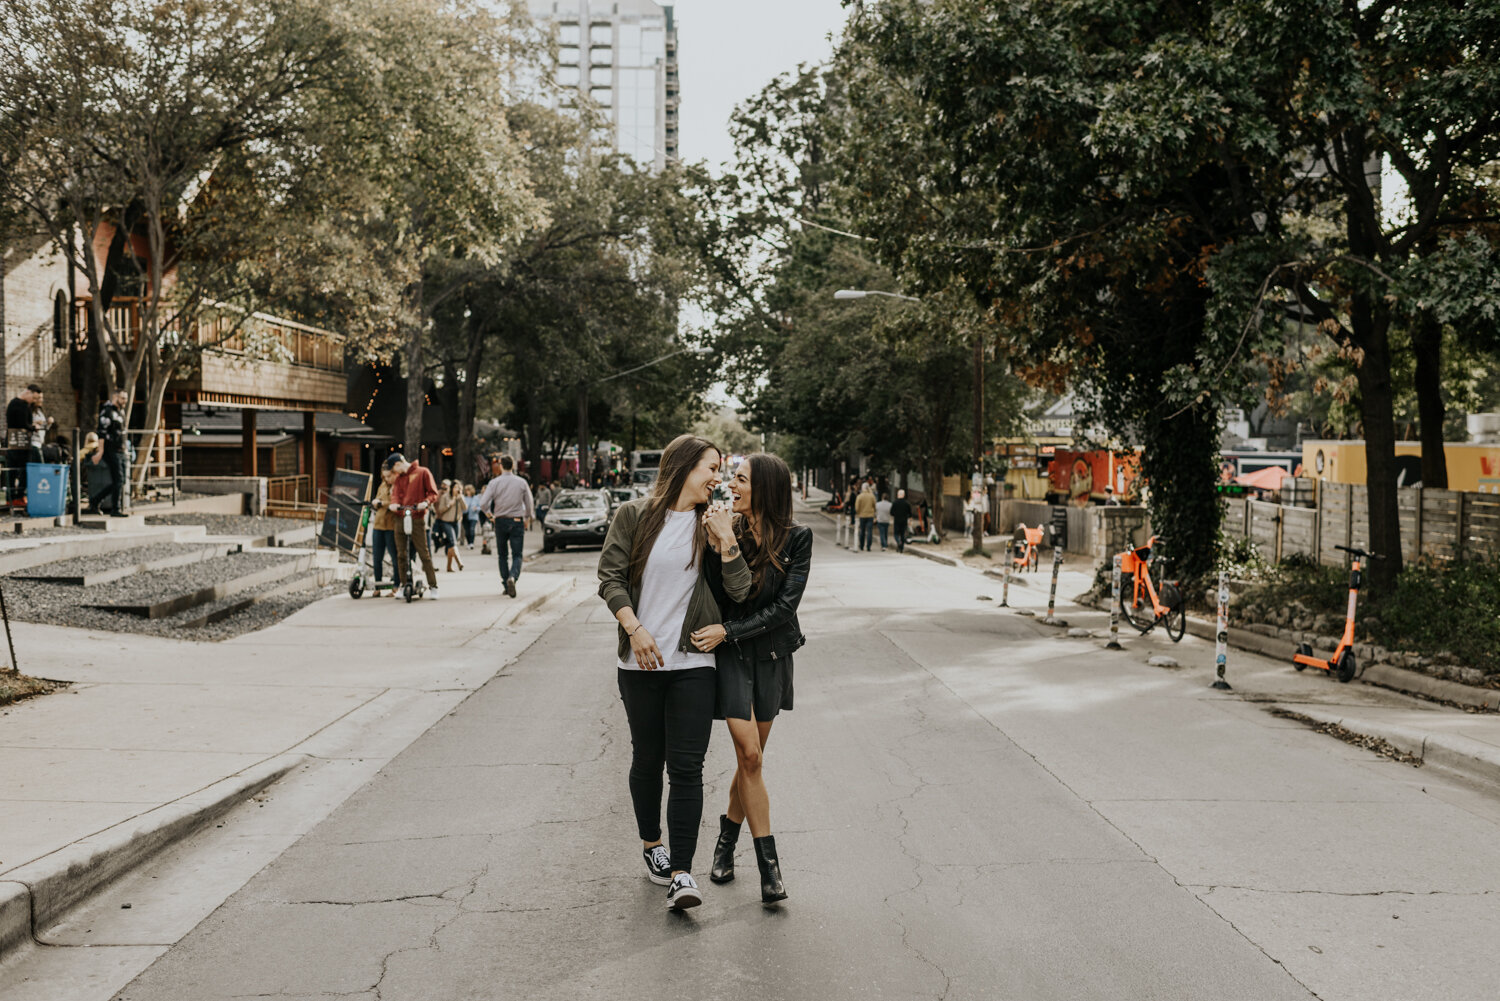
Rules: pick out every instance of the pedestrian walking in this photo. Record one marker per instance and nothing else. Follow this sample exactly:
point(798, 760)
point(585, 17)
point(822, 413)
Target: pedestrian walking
point(413, 487)
point(753, 651)
point(383, 530)
point(900, 518)
point(449, 510)
point(883, 519)
point(543, 499)
point(649, 577)
point(116, 448)
point(864, 510)
point(507, 502)
point(471, 515)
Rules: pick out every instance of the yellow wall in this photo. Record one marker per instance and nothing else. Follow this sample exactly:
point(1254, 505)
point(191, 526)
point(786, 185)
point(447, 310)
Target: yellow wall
point(1473, 468)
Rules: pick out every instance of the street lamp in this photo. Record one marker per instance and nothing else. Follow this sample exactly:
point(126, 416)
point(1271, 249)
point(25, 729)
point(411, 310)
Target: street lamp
point(583, 398)
point(978, 477)
point(858, 293)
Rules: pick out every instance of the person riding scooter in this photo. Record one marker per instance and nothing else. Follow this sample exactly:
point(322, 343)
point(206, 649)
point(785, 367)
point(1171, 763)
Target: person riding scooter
point(413, 487)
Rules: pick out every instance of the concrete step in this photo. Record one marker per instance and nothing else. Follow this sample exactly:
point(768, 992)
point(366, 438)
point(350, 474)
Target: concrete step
point(178, 603)
point(109, 523)
point(120, 573)
point(22, 554)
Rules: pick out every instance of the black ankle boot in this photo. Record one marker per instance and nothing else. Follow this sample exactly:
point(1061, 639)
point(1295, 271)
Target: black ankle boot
point(771, 888)
point(723, 868)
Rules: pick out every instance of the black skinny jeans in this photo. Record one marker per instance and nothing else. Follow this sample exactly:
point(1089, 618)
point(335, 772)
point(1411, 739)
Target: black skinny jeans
point(671, 715)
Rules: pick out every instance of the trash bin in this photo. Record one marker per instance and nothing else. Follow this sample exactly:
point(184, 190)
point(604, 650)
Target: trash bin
point(46, 490)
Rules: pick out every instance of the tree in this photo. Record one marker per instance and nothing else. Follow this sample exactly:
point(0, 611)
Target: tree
point(891, 380)
point(1130, 189)
point(158, 147)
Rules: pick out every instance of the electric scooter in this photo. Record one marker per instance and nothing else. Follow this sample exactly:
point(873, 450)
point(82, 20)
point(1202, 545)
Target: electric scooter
point(414, 587)
point(363, 579)
point(1341, 663)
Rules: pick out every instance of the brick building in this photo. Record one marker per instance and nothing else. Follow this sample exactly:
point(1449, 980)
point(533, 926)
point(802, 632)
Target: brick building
point(291, 372)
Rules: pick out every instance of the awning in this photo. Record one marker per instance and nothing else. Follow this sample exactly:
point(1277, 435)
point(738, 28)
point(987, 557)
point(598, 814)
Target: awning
point(1264, 479)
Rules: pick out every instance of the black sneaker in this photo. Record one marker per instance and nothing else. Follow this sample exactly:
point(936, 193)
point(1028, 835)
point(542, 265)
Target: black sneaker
point(683, 893)
point(658, 865)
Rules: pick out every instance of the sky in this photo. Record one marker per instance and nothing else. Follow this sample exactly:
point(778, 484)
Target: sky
point(729, 49)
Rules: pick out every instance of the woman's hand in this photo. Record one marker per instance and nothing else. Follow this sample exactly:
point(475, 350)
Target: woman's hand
point(719, 521)
point(647, 654)
point(709, 637)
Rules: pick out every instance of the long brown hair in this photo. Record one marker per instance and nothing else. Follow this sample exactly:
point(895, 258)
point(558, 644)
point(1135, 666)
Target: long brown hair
point(678, 460)
point(771, 509)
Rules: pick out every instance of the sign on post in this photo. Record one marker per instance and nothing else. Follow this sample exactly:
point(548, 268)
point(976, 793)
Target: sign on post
point(1114, 605)
point(1221, 634)
point(1057, 558)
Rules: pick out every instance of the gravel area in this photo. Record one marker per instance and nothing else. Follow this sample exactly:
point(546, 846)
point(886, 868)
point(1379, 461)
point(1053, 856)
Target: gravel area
point(32, 531)
point(81, 565)
point(61, 604)
point(263, 613)
point(231, 524)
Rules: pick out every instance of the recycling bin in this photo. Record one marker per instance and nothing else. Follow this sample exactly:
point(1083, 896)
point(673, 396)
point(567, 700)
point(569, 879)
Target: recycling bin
point(46, 490)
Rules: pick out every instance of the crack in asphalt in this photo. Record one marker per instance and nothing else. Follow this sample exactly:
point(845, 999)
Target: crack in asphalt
point(1210, 888)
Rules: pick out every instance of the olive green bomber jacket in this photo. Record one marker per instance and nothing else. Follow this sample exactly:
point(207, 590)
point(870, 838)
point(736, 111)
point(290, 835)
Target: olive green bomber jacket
point(614, 580)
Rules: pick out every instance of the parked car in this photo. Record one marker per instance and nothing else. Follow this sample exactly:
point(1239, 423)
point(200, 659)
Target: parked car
point(577, 517)
point(624, 495)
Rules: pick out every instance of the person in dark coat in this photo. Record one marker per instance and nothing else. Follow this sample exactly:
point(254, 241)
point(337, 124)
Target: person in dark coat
point(753, 650)
point(111, 431)
point(900, 517)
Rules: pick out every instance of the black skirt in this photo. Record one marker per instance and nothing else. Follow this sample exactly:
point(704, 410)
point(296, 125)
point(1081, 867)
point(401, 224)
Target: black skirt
point(761, 687)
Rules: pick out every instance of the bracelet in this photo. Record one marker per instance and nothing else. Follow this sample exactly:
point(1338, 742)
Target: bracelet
point(632, 632)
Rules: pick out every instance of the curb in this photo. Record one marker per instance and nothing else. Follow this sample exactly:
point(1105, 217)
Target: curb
point(35, 895)
point(1471, 758)
point(533, 604)
point(934, 557)
point(1384, 675)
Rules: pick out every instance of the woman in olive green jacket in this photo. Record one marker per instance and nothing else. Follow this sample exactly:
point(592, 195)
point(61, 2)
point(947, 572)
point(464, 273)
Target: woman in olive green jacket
point(649, 576)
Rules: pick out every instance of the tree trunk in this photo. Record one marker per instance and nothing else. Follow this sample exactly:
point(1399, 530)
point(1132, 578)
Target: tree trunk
point(1427, 344)
point(1377, 410)
point(468, 401)
point(416, 396)
point(534, 437)
point(149, 448)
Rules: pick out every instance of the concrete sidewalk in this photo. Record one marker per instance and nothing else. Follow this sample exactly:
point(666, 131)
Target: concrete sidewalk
point(157, 737)
point(1376, 706)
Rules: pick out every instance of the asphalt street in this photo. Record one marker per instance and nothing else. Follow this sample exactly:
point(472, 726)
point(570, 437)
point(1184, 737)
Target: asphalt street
point(967, 805)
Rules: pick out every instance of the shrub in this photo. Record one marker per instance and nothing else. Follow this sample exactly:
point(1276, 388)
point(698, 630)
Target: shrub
point(1445, 607)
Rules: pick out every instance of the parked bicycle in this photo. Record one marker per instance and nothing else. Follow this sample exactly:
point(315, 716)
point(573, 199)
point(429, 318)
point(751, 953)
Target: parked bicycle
point(1147, 598)
point(1342, 664)
point(1026, 554)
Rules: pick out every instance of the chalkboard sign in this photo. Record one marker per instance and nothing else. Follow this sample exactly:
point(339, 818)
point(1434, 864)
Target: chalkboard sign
point(1059, 525)
point(346, 500)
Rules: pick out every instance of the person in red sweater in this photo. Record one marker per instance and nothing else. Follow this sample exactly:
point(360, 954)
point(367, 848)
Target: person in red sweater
point(413, 487)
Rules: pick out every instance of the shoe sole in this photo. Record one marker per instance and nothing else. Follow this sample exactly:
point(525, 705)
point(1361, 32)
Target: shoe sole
point(684, 900)
point(658, 880)
point(712, 878)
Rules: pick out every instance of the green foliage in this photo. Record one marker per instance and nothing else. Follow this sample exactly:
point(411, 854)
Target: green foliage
point(1435, 607)
point(888, 379)
point(1241, 559)
point(1136, 191)
point(1445, 607)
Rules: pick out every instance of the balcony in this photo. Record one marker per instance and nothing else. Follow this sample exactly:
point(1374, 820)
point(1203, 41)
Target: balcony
point(264, 362)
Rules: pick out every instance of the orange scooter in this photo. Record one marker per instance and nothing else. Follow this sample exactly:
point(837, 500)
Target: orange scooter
point(1342, 662)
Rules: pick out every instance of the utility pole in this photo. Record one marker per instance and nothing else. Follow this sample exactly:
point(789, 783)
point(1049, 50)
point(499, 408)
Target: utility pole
point(977, 483)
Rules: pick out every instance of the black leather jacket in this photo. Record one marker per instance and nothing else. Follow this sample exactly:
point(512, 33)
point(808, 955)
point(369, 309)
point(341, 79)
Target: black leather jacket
point(764, 626)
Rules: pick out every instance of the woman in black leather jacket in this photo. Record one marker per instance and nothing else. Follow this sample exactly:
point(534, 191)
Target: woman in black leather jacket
point(753, 652)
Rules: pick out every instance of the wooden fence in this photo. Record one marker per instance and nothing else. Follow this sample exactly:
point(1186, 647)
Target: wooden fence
point(1441, 523)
